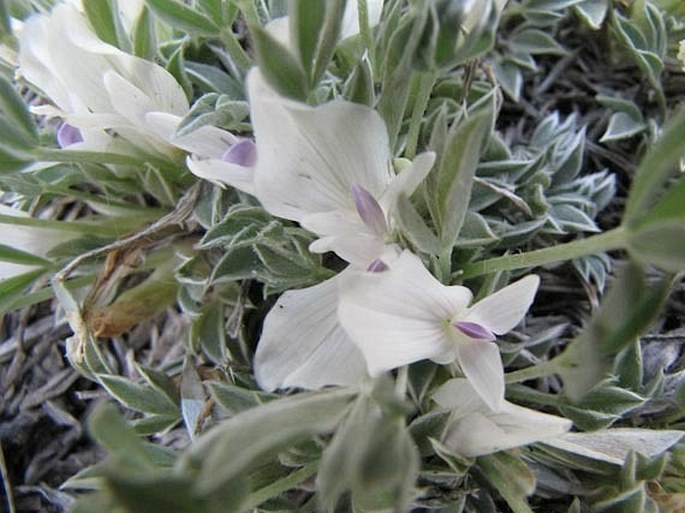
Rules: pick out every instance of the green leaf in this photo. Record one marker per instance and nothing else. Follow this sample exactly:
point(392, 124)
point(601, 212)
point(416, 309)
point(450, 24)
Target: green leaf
point(593, 12)
point(510, 78)
point(212, 78)
point(234, 399)
point(414, 227)
point(452, 185)
point(162, 383)
point(511, 477)
point(164, 491)
point(135, 396)
point(328, 40)
point(213, 109)
point(359, 88)
point(657, 167)
point(306, 20)
point(280, 68)
point(626, 311)
point(176, 66)
point(613, 445)
point(5, 23)
point(621, 105)
point(248, 438)
point(209, 331)
point(240, 263)
point(184, 18)
point(12, 289)
point(101, 17)
point(535, 42)
point(112, 432)
point(427, 427)
point(658, 237)
point(216, 9)
point(16, 256)
point(372, 457)
point(622, 126)
point(144, 36)
point(14, 107)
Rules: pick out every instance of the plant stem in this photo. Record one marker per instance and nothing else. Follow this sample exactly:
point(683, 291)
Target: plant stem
point(240, 58)
point(533, 372)
point(365, 31)
point(613, 239)
point(280, 486)
point(423, 93)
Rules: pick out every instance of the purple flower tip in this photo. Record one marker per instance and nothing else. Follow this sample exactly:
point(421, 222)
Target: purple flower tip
point(377, 266)
point(475, 331)
point(242, 153)
point(68, 135)
point(369, 210)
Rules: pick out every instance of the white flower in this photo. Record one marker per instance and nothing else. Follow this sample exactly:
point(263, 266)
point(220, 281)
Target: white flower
point(94, 85)
point(215, 155)
point(33, 240)
point(326, 167)
point(403, 315)
point(302, 343)
point(476, 430)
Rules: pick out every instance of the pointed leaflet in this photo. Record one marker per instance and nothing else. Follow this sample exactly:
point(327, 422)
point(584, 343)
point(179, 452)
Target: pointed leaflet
point(454, 179)
point(253, 435)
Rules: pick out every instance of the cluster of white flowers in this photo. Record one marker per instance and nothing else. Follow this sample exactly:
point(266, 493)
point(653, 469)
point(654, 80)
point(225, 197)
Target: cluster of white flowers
point(329, 168)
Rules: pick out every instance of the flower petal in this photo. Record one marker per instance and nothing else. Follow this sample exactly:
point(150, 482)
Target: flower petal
point(475, 430)
point(345, 234)
point(523, 426)
point(407, 180)
point(398, 316)
point(503, 310)
point(309, 157)
point(205, 142)
point(482, 365)
point(302, 344)
point(458, 395)
point(223, 173)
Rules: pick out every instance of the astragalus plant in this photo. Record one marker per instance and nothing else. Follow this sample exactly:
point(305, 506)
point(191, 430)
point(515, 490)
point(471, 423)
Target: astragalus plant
point(361, 215)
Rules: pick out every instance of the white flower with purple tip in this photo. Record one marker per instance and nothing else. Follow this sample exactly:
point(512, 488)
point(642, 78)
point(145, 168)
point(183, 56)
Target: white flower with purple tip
point(98, 90)
point(328, 168)
point(476, 430)
point(404, 315)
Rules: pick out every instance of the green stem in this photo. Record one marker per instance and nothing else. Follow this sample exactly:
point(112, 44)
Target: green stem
point(613, 239)
point(53, 155)
point(62, 226)
point(236, 51)
point(249, 10)
point(536, 371)
point(280, 486)
point(365, 30)
point(445, 265)
point(527, 394)
point(423, 93)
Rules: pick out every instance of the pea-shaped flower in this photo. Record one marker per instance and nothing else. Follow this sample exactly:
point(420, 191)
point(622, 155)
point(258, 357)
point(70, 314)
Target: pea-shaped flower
point(403, 314)
point(476, 430)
